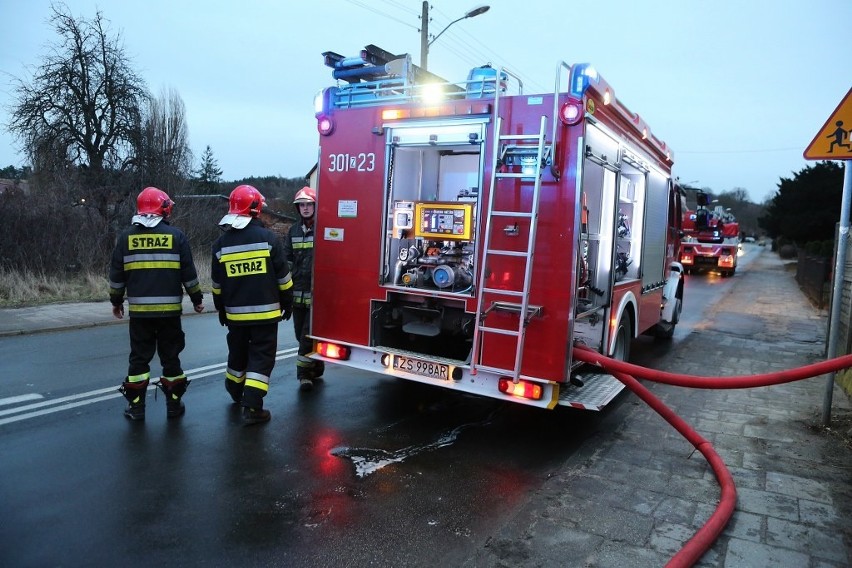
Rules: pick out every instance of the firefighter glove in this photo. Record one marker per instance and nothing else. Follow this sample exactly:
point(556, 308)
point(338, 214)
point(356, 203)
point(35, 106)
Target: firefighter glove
point(286, 313)
point(223, 319)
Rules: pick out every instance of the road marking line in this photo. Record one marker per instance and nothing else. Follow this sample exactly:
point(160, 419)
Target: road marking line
point(21, 398)
point(73, 401)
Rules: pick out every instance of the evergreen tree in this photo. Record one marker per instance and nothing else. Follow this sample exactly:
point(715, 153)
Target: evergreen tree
point(209, 174)
point(806, 207)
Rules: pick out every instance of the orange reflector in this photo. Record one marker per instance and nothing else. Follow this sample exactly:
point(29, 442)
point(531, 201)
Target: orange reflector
point(523, 389)
point(332, 350)
point(395, 114)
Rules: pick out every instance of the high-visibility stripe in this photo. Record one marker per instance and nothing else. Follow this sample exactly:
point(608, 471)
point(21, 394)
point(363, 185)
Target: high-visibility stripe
point(236, 249)
point(252, 309)
point(254, 316)
point(151, 264)
point(236, 376)
point(154, 299)
point(249, 255)
point(192, 286)
point(260, 385)
point(139, 378)
point(305, 245)
point(286, 285)
point(155, 307)
point(155, 256)
point(182, 376)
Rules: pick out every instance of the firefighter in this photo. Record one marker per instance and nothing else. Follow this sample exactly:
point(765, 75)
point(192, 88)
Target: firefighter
point(150, 263)
point(299, 249)
point(252, 291)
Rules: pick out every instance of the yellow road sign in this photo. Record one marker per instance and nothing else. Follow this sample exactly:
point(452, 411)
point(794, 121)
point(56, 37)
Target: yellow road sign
point(834, 140)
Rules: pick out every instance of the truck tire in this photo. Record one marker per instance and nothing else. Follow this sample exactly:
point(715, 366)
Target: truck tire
point(621, 349)
point(666, 330)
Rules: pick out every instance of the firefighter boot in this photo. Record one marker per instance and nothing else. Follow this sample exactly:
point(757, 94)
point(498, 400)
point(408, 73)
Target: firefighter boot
point(173, 389)
point(234, 389)
point(135, 395)
point(253, 411)
point(255, 416)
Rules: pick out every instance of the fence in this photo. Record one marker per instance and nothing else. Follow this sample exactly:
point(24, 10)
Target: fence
point(813, 275)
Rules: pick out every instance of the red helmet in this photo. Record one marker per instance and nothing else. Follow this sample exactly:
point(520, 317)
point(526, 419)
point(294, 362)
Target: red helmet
point(153, 201)
point(305, 195)
point(246, 200)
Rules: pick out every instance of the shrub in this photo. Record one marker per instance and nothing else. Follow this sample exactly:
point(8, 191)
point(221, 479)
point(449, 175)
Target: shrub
point(787, 252)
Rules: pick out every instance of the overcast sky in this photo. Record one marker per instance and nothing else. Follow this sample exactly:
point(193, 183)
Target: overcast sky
point(738, 88)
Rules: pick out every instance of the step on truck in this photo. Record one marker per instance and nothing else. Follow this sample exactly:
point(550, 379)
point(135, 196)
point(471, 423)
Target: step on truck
point(469, 235)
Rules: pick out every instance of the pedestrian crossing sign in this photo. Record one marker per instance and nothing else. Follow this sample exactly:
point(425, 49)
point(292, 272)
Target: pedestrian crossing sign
point(834, 140)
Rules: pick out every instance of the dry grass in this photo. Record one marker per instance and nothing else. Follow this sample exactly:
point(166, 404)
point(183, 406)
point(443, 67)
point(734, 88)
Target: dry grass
point(19, 289)
point(22, 289)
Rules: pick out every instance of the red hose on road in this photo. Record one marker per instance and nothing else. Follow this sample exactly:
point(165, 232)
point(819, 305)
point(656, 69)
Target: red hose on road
point(733, 382)
point(706, 535)
point(702, 540)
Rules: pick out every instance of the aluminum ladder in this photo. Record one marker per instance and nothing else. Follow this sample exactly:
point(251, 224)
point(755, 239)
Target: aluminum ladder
point(529, 152)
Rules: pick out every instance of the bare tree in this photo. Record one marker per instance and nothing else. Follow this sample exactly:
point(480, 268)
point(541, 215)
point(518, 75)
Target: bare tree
point(79, 117)
point(163, 156)
point(84, 96)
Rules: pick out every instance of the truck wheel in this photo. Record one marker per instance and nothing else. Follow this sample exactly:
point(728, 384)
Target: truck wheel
point(621, 350)
point(666, 331)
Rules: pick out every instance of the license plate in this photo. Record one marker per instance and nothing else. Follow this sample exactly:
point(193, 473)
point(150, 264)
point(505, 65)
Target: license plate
point(422, 368)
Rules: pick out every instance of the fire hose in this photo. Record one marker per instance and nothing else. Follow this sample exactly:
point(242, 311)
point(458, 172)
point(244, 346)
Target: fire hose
point(628, 373)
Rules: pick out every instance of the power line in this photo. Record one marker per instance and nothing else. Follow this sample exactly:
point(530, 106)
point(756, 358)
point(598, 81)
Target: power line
point(381, 13)
point(455, 41)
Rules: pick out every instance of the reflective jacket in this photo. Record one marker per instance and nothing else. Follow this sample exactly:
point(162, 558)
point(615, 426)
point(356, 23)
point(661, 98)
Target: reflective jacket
point(251, 280)
point(152, 265)
point(299, 250)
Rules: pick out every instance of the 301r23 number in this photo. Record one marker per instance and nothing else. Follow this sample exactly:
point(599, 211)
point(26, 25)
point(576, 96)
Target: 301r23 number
point(363, 162)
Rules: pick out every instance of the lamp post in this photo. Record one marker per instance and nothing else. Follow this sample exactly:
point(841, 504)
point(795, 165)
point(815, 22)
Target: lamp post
point(424, 29)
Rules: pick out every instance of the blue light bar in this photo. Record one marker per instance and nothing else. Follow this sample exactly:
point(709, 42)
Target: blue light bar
point(582, 75)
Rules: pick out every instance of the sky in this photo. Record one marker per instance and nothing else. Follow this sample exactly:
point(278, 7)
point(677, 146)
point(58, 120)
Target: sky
point(737, 88)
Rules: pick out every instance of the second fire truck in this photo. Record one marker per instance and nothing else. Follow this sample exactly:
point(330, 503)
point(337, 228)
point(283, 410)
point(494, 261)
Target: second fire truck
point(711, 239)
point(470, 235)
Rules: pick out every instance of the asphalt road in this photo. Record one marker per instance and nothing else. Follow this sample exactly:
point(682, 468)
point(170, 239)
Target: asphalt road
point(362, 471)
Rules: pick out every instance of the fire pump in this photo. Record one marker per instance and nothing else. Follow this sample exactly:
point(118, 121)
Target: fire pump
point(469, 234)
point(711, 239)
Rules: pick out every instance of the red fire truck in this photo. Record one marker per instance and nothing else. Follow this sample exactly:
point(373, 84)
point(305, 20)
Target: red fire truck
point(710, 239)
point(469, 235)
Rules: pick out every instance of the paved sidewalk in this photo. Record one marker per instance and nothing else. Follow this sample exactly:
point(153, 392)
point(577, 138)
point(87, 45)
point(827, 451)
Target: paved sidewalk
point(53, 317)
point(793, 477)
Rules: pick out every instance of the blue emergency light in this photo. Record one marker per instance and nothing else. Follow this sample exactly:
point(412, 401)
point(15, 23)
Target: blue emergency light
point(582, 75)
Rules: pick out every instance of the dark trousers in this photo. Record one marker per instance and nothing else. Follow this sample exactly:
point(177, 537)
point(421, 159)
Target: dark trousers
point(163, 336)
point(305, 367)
point(252, 348)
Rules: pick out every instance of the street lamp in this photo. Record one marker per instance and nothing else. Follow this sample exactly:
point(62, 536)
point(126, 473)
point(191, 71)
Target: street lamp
point(424, 29)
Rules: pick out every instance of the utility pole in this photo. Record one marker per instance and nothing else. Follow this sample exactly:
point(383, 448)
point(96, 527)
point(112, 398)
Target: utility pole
point(424, 29)
point(424, 34)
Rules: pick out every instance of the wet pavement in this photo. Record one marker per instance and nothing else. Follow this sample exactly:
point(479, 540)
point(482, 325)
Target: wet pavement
point(793, 477)
point(633, 494)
